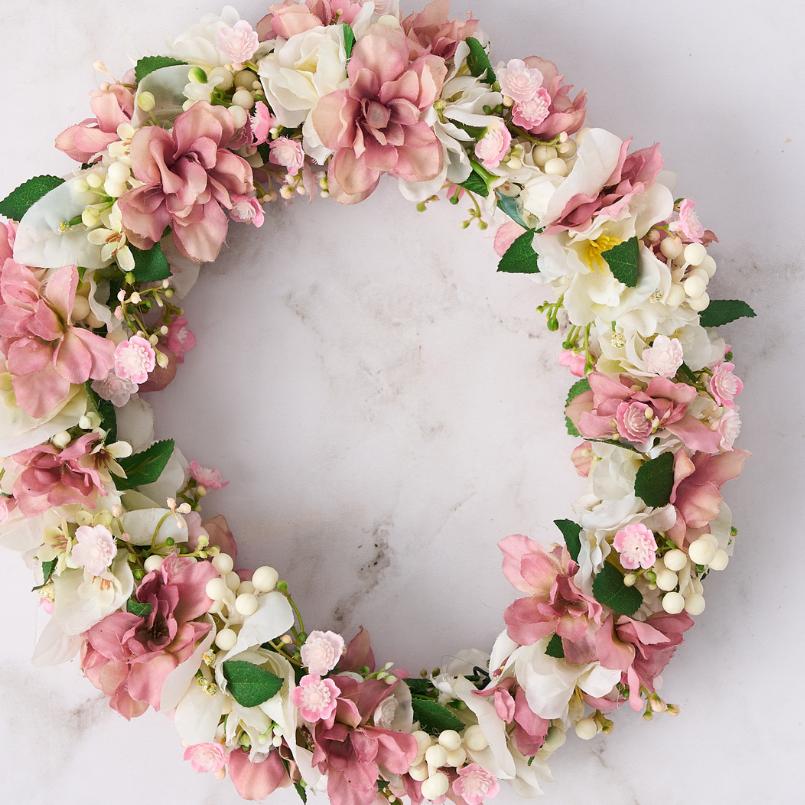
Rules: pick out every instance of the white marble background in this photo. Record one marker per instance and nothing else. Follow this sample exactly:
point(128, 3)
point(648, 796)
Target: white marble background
point(387, 408)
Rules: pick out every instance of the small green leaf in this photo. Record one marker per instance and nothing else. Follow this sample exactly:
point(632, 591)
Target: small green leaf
point(572, 533)
point(301, 790)
point(476, 184)
point(48, 568)
point(723, 311)
point(420, 687)
point(609, 590)
point(520, 258)
point(655, 480)
point(150, 265)
point(349, 39)
point(624, 261)
point(478, 61)
point(146, 467)
point(434, 717)
point(150, 64)
point(134, 607)
point(555, 648)
point(509, 205)
point(579, 387)
point(249, 684)
point(19, 201)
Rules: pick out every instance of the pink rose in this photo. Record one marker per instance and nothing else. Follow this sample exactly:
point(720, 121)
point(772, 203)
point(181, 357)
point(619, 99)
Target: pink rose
point(206, 477)
point(181, 339)
point(532, 113)
point(431, 30)
point(724, 385)
point(635, 421)
point(315, 698)
point(135, 359)
point(637, 547)
point(288, 154)
point(475, 784)
point(494, 145)
point(322, 651)
point(520, 82)
point(207, 757)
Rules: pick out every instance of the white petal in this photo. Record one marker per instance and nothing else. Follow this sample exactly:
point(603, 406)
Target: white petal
point(180, 678)
point(147, 526)
point(55, 646)
point(197, 715)
point(167, 86)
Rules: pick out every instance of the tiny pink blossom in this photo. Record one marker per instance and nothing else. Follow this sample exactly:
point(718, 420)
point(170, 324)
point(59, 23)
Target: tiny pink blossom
point(47, 605)
point(238, 43)
point(181, 339)
point(207, 477)
point(247, 210)
point(475, 784)
point(114, 389)
point(134, 359)
point(316, 698)
point(634, 421)
point(636, 545)
point(94, 550)
point(574, 362)
point(729, 426)
point(582, 458)
point(688, 225)
point(664, 356)
point(287, 153)
point(518, 81)
point(322, 651)
point(262, 123)
point(725, 386)
point(531, 113)
point(207, 757)
point(494, 145)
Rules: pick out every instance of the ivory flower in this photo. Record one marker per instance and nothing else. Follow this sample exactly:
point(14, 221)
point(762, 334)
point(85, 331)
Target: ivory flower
point(94, 550)
point(322, 651)
point(664, 356)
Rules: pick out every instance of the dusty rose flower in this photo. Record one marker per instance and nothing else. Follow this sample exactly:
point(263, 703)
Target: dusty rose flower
point(135, 359)
point(574, 361)
point(315, 698)
point(181, 339)
point(207, 757)
point(533, 112)
point(189, 177)
point(520, 82)
point(475, 784)
point(238, 43)
point(262, 122)
point(724, 385)
point(688, 225)
point(729, 427)
point(494, 145)
point(288, 18)
point(256, 780)
point(207, 477)
point(95, 549)
point(247, 210)
point(376, 125)
point(322, 651)
point(664, 356)
point(288, 154)
point(431, 30)
point(636, 545)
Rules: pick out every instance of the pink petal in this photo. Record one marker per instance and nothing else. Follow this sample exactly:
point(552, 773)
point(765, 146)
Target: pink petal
point(255, 781)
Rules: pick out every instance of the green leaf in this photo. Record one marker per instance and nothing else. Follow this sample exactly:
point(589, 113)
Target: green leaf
point(19, 201)
point(554, 648)
point(134, 607)
point(624, 261)
point(150, 265)
point(572, 533)
point(434, 717)
point(655, 480)
point(48, 568)
point(249, 684)
point(420, 687)
point(579, 387)
point(509, 205)
point(150, 64)
point(520, 258)
point(349, 39)
point(609, 590)
point(300, 789)
point(723, 311)
point(478, 61)
point(146, 467)
point(476, 184)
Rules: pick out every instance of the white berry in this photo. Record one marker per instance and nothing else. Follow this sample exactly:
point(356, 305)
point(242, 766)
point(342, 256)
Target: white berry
point(456, 758)
point(265, 579)
point(450, 740)
point(702, 550)
point(152, 563)
point(694, 285)
point(436, 756)
point(226, 639)
point(419, 772)
point(675, 560)
point(216, 589)
point(720, 560)
point(673, 603)
point(695, 254)
point(223, 563)
point(246, 604)
point(699, 303)
point(435, 786)
point(474, 738)
point(671, 247)
point(586, 729)
point(694, 604)
point(556, 167)
point(667, 580)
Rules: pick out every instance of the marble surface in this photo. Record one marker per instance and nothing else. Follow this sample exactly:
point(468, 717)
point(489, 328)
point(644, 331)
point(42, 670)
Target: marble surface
point(402, 410)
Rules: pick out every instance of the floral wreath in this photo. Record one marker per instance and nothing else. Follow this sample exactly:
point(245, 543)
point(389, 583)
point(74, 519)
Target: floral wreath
point(323, 97)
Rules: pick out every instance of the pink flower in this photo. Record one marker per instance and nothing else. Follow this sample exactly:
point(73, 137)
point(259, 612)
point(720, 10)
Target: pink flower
point(494, 145)
point(315, 698)
point(112, 107)
point(376, 125)
point(288, 154)
point(216, 530)
point(431, 31)
point(532, 113)
point(288, 18)
point(255, 780)
point(181, 339)
point(134, 359)
point(582, 458)
point(724, 385)
point(94, 550)
point(688, 225)
point(729, 428)
point(475, 784)
point(632, 175)
point(636, 545)
point(129, 657)
point(520, 82)
point(238, 43)
point(322, 651)
point(53, 477)
point(635, 422)
point(206, 477)
point(189, 177)
point(554, 604)
point(574, 361)
point(114, 389)
point(664, 356)
point(8, 234)
point(46, 353)
point(247, 210)
point(262, 121)
point(207, 757)
point(506, 235)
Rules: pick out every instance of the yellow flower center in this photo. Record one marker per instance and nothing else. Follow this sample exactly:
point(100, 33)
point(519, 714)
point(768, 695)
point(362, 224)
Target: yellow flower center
point(592, 250)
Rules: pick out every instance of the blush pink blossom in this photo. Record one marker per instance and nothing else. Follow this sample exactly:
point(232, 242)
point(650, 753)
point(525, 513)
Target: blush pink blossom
point(135, 359)
point(475, 784)
point(189, 178)
point(287, 153)
point(181, 339)
point(532, 113)
point(729, 428)
point(46, 353)
point(114, 389)
point(247, 210)
point(376, 126)
point(315, 698)
point(664, 356)
point(238, 43)
point(288, 18)
point(207, 477)
point(636, 545)
point(725, 385)
point(258, 779)
point(520, 82)
point(634, 421)
point(262, 121)
point(506, 235)
point(512, 707)
point(574, 361)
point(494, 145)
point(207, 757)
point(688, 226)
point(95, 549)
point(582, 458)
point(432, 31)
point(322, 651)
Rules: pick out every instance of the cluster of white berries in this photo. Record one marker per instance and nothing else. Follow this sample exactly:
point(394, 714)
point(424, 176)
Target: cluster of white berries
point(449, 750)
point(244, 84)
point(554, 159)
point(692, 268)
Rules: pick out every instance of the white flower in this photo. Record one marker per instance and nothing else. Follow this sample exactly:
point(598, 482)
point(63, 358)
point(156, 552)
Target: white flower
point(322, 651)
point(237, 43)
point(664, 356)
point(202, 43)
point(112, 240)
point(94, 549)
